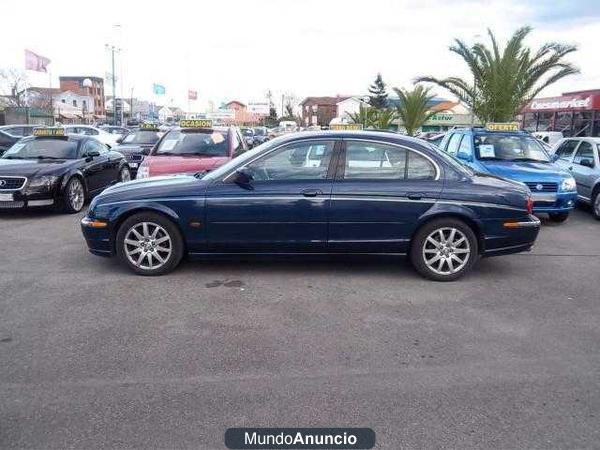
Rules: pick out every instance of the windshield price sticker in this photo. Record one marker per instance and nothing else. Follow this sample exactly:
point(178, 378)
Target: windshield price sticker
point(502, 126)
point(486, 151)
point(346, 126)
point(48, 132)
point(196, 123)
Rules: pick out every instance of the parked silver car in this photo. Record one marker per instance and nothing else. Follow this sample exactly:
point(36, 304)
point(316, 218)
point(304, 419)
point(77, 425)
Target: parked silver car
point(579, 155)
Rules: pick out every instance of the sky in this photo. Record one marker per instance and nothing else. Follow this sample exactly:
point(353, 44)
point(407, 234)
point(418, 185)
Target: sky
point(240, 49)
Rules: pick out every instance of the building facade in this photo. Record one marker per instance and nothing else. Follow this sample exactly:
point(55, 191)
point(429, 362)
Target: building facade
point(94, 88)
point(573, 114)
point(320, 110)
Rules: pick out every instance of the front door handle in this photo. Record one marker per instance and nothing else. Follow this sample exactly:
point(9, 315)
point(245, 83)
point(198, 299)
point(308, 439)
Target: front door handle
point(311, 192)
point(415, 195)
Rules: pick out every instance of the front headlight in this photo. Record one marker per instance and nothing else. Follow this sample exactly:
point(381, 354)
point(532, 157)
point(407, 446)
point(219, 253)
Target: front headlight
point(568, 184)
point(143, 172)
point(42, 183)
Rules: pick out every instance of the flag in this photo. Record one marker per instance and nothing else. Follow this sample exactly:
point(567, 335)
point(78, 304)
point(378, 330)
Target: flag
point(192, 95)
point(159, 89)
point(35, 62)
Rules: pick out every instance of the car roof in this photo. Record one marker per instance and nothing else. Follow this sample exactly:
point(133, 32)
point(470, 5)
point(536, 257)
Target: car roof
point(581, 138)
point(69, 137)
point(373, 135)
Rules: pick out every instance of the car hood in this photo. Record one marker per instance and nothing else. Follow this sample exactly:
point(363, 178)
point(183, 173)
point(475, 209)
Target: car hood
point(149, 189)
point(167, 165)
point(34, 167)
point(525, 171)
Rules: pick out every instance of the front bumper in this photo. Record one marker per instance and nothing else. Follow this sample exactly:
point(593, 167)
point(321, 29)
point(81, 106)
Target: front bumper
point(511, 236)
point(97, 239)
point(556, 202)
point(19, 200)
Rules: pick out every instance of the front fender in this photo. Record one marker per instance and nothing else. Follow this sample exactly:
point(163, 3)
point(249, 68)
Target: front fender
point(67, 176)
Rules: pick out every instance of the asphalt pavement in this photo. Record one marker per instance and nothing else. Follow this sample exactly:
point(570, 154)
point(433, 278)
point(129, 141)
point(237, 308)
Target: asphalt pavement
point(92, 356)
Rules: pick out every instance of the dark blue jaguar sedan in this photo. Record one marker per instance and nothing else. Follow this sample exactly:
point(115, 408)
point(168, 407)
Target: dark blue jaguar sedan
point(336, 192)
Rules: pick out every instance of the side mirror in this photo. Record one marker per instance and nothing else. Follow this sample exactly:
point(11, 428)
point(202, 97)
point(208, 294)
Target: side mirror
point(243, 178)
point(554, 157)
point(587, 162)
point(92, 154)
point(120, 140)
point(464, 156)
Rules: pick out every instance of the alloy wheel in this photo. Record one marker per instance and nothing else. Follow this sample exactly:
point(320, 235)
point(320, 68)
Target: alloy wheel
point(147, 245)
point(596, 205)
point(124, 175)
point(446, 251)
point(76, 194)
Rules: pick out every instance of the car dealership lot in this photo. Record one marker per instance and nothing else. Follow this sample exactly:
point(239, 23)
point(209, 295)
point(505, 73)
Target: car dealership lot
point(93, 356)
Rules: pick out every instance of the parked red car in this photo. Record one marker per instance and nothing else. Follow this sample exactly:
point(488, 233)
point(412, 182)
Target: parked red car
point(195, 146)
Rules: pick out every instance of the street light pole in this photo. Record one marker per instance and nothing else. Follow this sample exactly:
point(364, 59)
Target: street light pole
point(114, 86)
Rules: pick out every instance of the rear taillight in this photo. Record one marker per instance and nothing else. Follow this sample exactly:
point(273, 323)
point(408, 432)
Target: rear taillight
point(529, 205)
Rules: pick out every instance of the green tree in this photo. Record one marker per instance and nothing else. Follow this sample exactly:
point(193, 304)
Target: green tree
point(414, 108)
point(504, 80)
point(378, 93)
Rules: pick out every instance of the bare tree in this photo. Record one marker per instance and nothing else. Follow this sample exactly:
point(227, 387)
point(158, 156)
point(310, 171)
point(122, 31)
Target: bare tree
point(13, 85)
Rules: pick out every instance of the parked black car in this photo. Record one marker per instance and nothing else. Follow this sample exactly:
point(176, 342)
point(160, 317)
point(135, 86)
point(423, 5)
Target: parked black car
point(54, 169)
point(137, 144)
point(7, 141)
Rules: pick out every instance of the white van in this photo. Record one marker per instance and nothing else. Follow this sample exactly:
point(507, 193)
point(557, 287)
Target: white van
point(549, 137)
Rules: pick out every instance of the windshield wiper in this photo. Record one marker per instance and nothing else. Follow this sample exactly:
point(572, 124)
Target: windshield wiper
point(13, 157)
point(47, 157)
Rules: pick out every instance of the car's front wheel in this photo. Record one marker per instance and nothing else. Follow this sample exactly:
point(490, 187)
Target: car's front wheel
point(124, 175)
point(74, 196)
point(596, 205)
point(444, 249)
point(558, 217)
point(149, 244)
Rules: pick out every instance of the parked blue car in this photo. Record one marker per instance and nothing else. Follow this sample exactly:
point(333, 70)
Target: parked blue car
point(334, 192)
point(518, 156)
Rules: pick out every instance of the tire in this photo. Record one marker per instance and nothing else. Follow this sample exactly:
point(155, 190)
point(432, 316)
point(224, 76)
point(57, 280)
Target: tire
point(558, 217)
point(596, 205)
point(124, 175)
point(453, 261)
point(74, 196)
point(148, 244)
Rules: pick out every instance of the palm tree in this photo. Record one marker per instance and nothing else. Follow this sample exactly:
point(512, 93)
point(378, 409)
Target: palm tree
point(384, 119)
point(365, 116)
point(414, 108)
point(506, 80)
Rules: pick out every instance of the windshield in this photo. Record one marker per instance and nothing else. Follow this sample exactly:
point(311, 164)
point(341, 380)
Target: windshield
point(142, 137)
point(42, 149)
point(194, 142)
point(509, 148)
point(260, 131)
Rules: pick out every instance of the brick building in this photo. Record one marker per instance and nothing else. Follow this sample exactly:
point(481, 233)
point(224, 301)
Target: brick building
point(96, 91)
point(320, 110)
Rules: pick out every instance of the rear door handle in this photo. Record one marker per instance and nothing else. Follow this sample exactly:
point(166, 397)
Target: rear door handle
point(311, 192)
point(415, 195)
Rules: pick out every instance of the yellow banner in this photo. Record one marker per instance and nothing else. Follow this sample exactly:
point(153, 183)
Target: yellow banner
point(346, 126)
point(503, 126)
point(48, 131)
point(196, 123)
point(148, 127)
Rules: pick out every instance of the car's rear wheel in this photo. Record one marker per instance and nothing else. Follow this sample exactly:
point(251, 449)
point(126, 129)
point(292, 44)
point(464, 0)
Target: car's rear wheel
point(74, 196)
point(444, 249)
point(124, 175)
point(558, 217)
point(149, 244)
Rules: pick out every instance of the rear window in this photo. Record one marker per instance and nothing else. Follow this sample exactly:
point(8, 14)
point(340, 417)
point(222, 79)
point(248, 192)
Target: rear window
point(194, 142)
point(142, 137)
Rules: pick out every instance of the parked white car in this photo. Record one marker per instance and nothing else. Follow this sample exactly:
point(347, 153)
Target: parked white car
point(548, 137)
point(88, 130)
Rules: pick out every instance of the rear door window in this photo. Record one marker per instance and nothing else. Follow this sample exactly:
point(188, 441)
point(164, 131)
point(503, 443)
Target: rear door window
point(566, 149)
